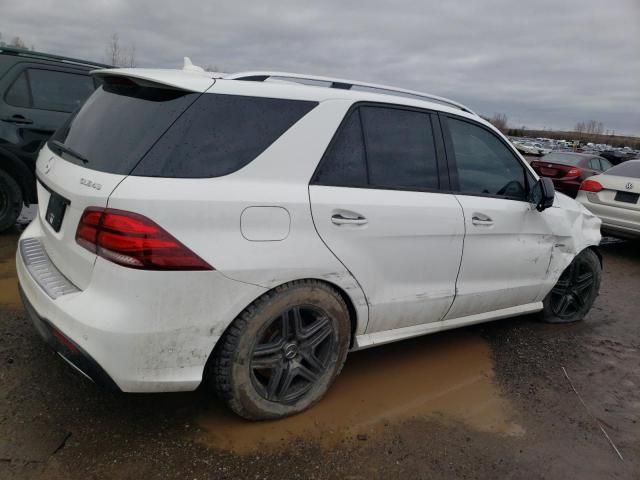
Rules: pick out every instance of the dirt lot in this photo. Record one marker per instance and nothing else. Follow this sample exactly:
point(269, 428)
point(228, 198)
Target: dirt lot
point(482, 402)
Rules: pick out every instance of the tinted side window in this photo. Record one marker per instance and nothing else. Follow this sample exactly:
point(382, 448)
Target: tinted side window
point(18, 93)
point(400, 148)
point(594, 163)
point(344, 163)
point(220, 134)
point(59, 91)
point(485, 165)
point(605, 164)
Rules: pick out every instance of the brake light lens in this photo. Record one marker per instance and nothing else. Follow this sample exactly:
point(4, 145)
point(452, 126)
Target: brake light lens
point(134, 241)
point(573, 172)
point(590, 186)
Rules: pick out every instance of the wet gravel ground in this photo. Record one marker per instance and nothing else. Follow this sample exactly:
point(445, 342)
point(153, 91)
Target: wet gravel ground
point(55, 425)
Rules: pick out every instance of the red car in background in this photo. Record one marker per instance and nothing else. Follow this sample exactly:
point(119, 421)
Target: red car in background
point(567, 170)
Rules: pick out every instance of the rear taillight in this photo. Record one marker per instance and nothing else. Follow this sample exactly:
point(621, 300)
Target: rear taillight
point(573, 172)
point(134, 241)
point(590, 186)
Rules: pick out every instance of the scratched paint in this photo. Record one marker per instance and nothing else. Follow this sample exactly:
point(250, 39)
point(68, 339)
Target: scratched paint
point(446, 376)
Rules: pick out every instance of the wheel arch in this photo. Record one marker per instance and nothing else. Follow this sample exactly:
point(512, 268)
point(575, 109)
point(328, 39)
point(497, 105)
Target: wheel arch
point(21, 174)
point(595, 249)
point(353, 313)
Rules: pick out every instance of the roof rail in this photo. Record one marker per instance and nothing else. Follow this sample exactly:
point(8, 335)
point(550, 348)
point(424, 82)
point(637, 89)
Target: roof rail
point(260, 76)
point(48, 56)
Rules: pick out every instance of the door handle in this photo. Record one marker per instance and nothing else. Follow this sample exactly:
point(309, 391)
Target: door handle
point(338, 219)
point(19, 119)
point(481, 220)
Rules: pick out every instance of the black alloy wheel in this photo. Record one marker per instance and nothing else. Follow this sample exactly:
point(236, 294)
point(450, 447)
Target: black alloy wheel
point(292, 354)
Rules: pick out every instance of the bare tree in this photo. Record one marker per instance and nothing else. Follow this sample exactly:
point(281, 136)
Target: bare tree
point(18, 43)
point(15, 42)
point(119, 56)
point(499, 120)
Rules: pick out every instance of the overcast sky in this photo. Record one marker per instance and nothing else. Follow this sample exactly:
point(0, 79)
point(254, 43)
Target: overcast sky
point(543, 63)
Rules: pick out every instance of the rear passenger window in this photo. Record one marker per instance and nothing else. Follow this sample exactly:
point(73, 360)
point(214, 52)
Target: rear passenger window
point(382, 147)
point(345, 161)
point(594, 163)
point(220, 134)
point(605, 164)
point(484, 164)
point(59, 91)
point(18, 93)
point(49, 90)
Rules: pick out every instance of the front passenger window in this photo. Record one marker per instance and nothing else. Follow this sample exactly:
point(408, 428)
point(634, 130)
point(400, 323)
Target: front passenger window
point(485, 165)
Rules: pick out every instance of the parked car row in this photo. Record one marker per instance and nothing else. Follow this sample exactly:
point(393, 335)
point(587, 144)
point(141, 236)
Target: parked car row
point(543, 146)
point(530, 148)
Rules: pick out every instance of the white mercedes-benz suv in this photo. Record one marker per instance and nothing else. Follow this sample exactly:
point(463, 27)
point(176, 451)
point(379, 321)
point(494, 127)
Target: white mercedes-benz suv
point(250, 230)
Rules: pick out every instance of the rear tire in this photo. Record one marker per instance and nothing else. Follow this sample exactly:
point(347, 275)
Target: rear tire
point(281, 354)
point(10, 201)
point(577, 288)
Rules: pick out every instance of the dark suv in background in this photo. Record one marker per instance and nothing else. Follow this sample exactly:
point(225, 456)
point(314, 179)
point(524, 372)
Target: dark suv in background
point(38, 92)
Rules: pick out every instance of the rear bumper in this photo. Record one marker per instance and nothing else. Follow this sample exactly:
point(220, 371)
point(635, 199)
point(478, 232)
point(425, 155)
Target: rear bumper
point(68, 349)
point(133, 330)
point(616, 221)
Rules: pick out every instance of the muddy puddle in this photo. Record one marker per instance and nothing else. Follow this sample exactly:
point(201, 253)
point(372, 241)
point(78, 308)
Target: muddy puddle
point(447, 376)
point(9, 297)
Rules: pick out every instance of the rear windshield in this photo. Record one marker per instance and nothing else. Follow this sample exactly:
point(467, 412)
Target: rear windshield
point(562, 158)
point(118, 124)
point(157, 132)
point(630, 168)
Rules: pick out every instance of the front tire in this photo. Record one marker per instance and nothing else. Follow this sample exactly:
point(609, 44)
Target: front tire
point(577, 288)
point(281, 354)
point(10, 201)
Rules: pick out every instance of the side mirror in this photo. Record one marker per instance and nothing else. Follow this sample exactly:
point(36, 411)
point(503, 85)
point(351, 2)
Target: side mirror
point(542, 194)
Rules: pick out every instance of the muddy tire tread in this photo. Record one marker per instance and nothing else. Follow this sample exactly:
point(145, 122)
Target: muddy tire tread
point(220, 376)
point(8, 183)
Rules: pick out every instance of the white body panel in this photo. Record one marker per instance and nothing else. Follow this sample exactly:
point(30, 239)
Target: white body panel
point(507, 248)
point(406, 257)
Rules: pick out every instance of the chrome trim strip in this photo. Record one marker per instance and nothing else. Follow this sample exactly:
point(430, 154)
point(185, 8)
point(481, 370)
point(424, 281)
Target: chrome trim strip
point(43, 271)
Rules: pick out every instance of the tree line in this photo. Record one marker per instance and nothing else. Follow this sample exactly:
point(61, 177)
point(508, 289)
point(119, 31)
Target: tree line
point(584, 131)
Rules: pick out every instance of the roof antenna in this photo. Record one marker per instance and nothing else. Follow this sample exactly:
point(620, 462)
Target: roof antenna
point(190, 67)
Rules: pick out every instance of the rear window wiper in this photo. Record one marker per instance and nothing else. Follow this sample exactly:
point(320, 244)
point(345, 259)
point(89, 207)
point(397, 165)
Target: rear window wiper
point(61, 146)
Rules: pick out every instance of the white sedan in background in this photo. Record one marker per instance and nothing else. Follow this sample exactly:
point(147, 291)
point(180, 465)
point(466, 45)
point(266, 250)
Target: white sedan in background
point(615, 197)
point(529, 148)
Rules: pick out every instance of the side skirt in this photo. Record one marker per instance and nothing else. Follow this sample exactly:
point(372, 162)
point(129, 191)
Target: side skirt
point(380, 338)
